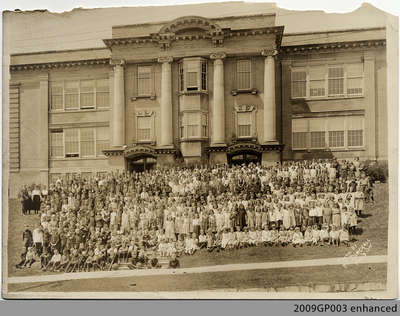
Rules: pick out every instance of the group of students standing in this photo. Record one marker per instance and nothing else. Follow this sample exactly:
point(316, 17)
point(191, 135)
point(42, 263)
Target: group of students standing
point(139, 217)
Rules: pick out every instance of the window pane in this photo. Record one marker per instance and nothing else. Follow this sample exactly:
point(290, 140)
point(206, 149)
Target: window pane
point(192, 130)
point(87, 100)
point(354, 86)
point(244, 130)
point(336, 139)
point(56, 147)
point(203, 75)
point(102, 99)
point(317, 139)
point(144, 128)
point(87, 142)
point(71, 143)
point(317, 88)
point(102, 140)
point(144, 81)
point(299, 84)
point(57, 91)
point(300, 139)
point(300, 125)
point(192, 79)
point(243, 74)
point(336, 81)
point(87, 85)
point(71, 101)
point(355, 138)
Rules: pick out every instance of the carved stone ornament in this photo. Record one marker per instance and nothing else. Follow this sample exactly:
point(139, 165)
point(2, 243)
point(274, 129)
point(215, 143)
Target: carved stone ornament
point(165, 59)
point(219, 55)
point(244, 108)
point(144, 112)
point(269, 52)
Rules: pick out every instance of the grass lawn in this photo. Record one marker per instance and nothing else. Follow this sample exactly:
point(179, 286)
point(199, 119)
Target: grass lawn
point(372, 226)
point(233, 280)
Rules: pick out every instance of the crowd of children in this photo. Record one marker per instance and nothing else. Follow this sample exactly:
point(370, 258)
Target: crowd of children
point(93, 223)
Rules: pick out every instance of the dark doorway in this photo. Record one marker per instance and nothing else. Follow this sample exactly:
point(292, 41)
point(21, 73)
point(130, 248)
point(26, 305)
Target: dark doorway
point(141, 163)
point(244, 157)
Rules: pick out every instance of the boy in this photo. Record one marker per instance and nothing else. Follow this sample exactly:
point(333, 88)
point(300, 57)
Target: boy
point(54, 261)
point(344, 236)
point(297, 239)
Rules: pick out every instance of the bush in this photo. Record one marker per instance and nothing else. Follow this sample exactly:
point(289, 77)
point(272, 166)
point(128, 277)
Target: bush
point(377, 170)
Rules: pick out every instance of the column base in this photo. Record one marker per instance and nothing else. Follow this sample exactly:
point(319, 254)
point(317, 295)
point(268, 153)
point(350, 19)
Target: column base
point(270, 158)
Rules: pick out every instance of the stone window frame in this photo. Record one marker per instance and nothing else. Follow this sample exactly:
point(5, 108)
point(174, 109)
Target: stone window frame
point(253, 128)
point(145, 113)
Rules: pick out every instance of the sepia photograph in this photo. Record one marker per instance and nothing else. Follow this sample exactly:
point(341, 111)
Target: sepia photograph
point(230, 150)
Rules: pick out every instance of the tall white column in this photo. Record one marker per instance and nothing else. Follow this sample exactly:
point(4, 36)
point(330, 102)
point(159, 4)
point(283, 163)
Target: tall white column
point(269, 96)
point(166, 102)
point(118, 110)
point(218, 119)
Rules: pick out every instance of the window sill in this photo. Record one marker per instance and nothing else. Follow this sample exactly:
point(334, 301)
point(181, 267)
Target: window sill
point(328, 98)
point(252, 91)
point(193, 92)
point(193, 139)
point(78, 110)
point(151, 97)
point(77, 158)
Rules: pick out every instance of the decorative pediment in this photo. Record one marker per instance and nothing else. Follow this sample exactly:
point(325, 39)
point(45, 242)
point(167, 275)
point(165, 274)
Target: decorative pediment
point(189, 28)
point(244, 147)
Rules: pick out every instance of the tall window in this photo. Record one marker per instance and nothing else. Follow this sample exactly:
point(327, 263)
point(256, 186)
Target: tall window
point(87, 142)
point(71, 95)
point(192, 74)
point(336, 130)
point(102, 93)
point(193, 125)
point(57, 144)
point(354, 74)
point(340, 133)
point(355, 132)
point(79, 94)
point(87, 94)
point(323, 81)
point(317, 81)
point(71, 143)
point(244, 124)
point(335, 80)
point(243, 68)
point(57, 95)
point(299, 84)
point(144, 124)
point(300, 134)
point(203, 75)
point(84, 142)
point(102, 140)
point(144, 81)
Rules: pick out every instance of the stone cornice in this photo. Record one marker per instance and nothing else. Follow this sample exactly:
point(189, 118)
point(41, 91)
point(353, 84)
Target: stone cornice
point(301, 49)
point(217, 36)
point(63, 64)
point(113, 152)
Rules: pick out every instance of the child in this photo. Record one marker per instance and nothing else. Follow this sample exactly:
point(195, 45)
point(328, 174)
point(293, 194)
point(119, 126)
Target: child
point(352, 221)
point(54, 262)
point(23, 258)
point(283, 237)
point(265, 236)
point(359, 201)
point(334, 236)
point(315, 235)
point(202, 239)
point(30, 257)
point(297, 239)
point(274, 236)
point(44, 258)
point(210, 240)
point(308, 236)
point(324, 237)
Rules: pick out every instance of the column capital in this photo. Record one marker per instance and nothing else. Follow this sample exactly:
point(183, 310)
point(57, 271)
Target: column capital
point(117, 62)
point(165, 59)
point(266, 52)
point(219, 55)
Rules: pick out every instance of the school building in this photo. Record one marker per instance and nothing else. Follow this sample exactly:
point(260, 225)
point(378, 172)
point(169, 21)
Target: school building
point(197, 90)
